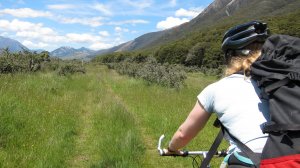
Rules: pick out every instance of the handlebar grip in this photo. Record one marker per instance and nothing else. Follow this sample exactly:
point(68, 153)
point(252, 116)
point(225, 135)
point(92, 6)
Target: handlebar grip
point(184, 154)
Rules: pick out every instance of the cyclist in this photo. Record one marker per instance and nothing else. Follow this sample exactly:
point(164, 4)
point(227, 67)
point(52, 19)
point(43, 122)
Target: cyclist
point(235, 98)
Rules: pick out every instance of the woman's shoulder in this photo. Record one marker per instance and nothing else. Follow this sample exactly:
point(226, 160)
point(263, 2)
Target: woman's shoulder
point(231, 81)
point(234, 78)
point(229, 78)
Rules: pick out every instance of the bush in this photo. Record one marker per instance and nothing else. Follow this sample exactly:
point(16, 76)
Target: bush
point(24, 61)
point(163, 74)
point(27, 61)
point(70, 69)
point(213, 72)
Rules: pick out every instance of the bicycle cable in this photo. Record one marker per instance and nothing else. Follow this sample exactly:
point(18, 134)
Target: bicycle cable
point(196, 161)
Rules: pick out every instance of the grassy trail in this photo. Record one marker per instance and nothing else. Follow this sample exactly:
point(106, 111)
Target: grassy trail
point(147, 140)
point(160, 110)
point(96, 119)
point(99, 119)
point(85, 120)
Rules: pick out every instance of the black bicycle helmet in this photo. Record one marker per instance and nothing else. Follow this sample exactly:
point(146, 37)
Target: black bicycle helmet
point(242, 35)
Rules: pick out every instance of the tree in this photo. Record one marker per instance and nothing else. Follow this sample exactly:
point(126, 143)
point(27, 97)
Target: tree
point(45, 55)
point(196, 55)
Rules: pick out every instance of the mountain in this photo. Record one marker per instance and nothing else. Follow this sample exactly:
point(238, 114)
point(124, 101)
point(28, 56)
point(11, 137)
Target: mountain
point(218, 12)
point(38, 50)
point(72, 53)
point(12, 45)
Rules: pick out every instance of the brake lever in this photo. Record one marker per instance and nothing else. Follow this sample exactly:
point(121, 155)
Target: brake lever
point(162, 152)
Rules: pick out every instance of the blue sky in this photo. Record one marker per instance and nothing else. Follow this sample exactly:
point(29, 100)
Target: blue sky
point(95, 24)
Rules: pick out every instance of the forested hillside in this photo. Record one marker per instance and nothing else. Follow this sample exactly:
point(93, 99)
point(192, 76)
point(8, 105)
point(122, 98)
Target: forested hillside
point(218, 12)
point(201, 48)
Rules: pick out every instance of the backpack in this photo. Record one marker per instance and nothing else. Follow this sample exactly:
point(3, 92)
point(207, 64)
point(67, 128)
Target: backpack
point(277, 72)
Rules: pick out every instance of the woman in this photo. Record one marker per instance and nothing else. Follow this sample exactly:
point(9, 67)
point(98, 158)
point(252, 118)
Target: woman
point(234, 98)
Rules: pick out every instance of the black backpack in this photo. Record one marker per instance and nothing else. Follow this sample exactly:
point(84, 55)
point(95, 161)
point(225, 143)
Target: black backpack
point(277, 72)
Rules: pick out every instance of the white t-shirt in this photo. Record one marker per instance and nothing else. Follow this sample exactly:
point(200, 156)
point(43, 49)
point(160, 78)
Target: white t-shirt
point(236, 102)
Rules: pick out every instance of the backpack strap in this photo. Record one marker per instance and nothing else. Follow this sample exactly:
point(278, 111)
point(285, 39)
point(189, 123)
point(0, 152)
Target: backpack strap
point(281, 80)
point(273, 127)
point(276, 85)
point(245, 149)
point(214, 147)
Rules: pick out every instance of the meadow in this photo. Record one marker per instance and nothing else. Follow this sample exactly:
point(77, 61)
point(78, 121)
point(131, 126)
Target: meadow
point(96, 119)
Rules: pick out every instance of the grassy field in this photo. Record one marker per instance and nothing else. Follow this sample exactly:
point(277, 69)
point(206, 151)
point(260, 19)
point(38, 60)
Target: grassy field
point(99, 119)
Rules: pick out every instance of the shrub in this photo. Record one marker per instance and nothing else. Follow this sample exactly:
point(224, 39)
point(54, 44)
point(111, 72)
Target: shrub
point(24, 61)
point(27, 61)
point(153, 72)
point(70, 69)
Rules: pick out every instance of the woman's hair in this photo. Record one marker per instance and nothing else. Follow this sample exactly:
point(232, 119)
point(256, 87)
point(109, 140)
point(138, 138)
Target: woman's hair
point(236, 63)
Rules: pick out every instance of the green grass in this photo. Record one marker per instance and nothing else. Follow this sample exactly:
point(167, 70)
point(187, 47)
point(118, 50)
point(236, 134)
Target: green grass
point(161, 110)
point(99, 119)
point(38, 120)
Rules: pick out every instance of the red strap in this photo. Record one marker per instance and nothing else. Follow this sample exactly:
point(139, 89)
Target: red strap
point(291, 161)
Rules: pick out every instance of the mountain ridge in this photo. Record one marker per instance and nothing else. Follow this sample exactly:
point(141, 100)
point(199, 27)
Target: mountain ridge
point(217, 11)
point(67, 52)
point(64, 52)
point(11, 44)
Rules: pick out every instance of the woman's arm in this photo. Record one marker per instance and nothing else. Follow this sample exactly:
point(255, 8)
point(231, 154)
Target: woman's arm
point(195, 121)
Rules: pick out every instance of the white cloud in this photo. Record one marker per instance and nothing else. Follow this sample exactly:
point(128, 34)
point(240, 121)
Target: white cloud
point(31, 34)
point(188, 13)
point(173, 2)
point(25, 13)
point(142, 4)
point(181, 16)
point(29, 13)
point(104, 33)
point(119, 35)
point(61, 6)
point(120, 30)
point(93, 22)
point(100, 45)
point(35, 35)
point(133, 22)
point(30, 30)
point(4, 24)
point(38, 45)
point(102, 8)
point(82, 38)
point(21, 26)
point(170, 22)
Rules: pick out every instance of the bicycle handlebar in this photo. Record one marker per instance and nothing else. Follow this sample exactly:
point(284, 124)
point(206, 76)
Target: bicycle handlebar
point(186, 153)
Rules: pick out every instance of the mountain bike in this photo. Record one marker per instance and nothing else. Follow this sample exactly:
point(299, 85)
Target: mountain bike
point(197, 156)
